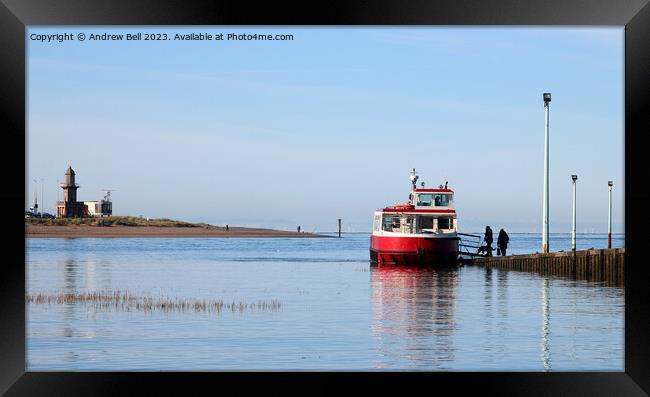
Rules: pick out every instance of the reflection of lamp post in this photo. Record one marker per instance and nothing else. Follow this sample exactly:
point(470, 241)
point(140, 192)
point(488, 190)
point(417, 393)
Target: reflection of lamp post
point(546, 326)
point(609, 217)
point(547, 100)
point(574, 178)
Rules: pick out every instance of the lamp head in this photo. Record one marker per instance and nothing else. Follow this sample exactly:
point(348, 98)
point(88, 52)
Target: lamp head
point(574, 177)
point(610, 183)
point(547, 97)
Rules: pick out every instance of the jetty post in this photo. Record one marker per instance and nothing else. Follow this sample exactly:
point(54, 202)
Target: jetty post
point(547, 100)
point(339, 227)
point(574, 178)
point(609, 216)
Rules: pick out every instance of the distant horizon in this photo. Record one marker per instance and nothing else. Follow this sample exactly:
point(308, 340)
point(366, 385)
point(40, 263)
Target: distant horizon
point(281, 134)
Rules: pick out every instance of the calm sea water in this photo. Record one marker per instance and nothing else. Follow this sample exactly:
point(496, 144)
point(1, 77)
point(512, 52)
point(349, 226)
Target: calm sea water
point(337, 312)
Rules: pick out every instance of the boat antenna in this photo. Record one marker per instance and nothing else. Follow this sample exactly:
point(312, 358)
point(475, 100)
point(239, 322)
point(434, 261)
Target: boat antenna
point(446, 184)
point(414, 178)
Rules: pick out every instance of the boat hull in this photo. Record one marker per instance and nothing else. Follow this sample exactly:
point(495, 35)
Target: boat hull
point(389, 250)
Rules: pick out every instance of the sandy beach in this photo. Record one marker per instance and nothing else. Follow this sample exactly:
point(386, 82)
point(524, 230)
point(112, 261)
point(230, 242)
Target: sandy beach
point(77, 231)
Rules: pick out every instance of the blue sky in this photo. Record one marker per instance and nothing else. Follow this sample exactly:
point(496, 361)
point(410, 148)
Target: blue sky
point(285, 133)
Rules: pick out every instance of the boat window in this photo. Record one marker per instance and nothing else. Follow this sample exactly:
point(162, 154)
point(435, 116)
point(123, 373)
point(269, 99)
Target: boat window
point(377, 224)
point(424, 200)
point(441, 200)
point(390, 223)
point(425, 222)
point(436, 200)
point(445, 223)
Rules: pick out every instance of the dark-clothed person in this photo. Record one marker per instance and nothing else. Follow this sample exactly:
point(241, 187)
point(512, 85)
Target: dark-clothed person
point(488, 240)
point(502, 241)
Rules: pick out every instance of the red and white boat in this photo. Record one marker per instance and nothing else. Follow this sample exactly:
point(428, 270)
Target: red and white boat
point(422, 231)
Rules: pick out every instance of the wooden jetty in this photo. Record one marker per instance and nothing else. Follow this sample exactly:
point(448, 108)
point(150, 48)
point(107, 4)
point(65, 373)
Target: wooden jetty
point(598, 265)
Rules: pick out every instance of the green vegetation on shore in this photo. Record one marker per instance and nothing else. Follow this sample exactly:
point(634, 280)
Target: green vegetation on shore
point(113, 221)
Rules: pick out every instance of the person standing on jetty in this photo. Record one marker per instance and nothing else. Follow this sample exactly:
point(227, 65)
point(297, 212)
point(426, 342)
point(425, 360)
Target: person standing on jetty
point(502, 242)
point(488, 240)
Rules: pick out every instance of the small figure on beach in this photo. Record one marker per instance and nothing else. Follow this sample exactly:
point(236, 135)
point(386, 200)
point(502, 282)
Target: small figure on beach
point(502, 242)
point(298, 229)
point(488, 240)
point(227, 228)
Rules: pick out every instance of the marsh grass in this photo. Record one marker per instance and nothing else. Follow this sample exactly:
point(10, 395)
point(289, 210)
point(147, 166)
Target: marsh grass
point(124, 300)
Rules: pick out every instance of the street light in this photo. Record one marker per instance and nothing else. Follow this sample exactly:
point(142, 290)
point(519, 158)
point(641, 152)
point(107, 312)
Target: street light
point(42, 196)
point(35, 197)
point(547, 100)
point(574, 178)
point(609, 217)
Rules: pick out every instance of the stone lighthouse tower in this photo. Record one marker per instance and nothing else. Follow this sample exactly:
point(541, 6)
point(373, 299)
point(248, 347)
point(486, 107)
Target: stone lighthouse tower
point(69, 186)
point(70, 207)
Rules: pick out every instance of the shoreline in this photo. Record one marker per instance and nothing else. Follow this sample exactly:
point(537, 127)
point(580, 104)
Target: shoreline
point(87, 231)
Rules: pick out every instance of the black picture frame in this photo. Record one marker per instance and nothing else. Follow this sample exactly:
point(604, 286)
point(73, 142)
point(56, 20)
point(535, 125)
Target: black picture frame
point(16, 15)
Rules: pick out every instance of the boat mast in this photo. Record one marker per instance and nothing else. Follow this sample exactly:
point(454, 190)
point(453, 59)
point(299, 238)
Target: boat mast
point(414, 180)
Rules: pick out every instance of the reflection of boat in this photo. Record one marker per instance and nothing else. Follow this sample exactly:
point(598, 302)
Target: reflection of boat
point(414, 316)
point(421, 231)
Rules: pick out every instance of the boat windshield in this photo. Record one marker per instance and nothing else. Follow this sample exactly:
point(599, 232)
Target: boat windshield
point(432, 200)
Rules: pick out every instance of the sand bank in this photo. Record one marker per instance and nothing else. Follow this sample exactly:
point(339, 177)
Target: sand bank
point(74, 231)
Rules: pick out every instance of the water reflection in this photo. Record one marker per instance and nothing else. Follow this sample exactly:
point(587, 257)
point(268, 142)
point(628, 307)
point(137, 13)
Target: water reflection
point(546, 327)
point(502, 308)
point(413, 315)
point(70, 286)
point(488, 315)
point(77, 276)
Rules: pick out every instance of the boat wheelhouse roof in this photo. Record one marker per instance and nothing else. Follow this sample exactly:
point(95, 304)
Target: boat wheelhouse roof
point(417, 211)
point(423, 190)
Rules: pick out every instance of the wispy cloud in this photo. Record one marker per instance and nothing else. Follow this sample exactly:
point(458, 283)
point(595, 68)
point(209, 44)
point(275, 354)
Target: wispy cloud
point(457, 40)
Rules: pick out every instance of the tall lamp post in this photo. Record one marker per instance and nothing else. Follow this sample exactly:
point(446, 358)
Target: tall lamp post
point(42, 196)
point(547, 101)
point(609, 216)
point(574, 178)
point(35, 197)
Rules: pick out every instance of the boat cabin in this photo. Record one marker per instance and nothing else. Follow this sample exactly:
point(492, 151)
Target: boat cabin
point(432, 198)
point(410, 223)
point(430, 212)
